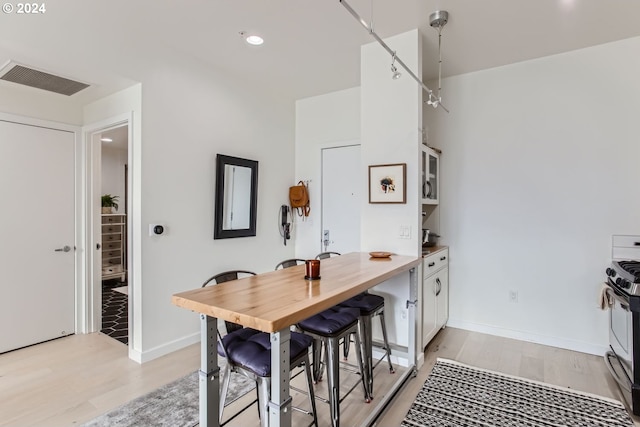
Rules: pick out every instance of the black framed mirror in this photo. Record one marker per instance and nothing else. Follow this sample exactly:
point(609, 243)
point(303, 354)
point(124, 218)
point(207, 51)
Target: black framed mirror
point(236, 197)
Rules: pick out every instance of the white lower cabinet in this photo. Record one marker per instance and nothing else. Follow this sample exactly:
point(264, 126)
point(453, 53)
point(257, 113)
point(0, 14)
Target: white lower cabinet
point(435, 294)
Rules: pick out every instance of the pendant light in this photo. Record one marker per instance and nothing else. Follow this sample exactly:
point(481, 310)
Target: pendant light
point(437, 20)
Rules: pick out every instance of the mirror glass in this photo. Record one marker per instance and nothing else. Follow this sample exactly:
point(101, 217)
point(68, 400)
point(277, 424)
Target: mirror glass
point(236, 196)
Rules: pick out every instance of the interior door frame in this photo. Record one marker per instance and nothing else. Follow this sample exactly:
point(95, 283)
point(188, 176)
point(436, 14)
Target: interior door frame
point(338, 144)
point(78, 195)
point(93, 289)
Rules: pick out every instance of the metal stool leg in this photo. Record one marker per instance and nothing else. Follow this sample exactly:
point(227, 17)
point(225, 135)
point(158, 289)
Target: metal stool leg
point(312, 400)
point(264, 390)
point(317, 360)
point(346, 345)
point(364, 326)
point(367, 396)
point(225, 388)
point(331, 357)
point(386, 341)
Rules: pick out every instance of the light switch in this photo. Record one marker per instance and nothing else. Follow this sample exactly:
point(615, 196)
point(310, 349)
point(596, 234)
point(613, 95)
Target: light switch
point(405, 232)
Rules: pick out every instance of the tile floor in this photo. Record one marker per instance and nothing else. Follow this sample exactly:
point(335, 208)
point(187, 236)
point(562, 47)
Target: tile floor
point(115, 311)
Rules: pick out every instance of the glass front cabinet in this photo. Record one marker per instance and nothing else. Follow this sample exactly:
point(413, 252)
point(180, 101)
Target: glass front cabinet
point(430, 164)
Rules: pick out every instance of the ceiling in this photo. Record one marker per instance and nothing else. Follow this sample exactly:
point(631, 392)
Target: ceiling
point(311, 46)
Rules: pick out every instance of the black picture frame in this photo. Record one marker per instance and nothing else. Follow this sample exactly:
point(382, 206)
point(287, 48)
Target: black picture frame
point(221, 230)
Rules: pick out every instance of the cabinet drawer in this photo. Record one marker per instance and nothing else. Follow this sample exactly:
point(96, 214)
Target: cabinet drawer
point(112, 269)
point(110, 262)
point(113, 244)
point(111, 229)
point(111, 254)
point(112, 219)
point(110, 238)
point(434, 262)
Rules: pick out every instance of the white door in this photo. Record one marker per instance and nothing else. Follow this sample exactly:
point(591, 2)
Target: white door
point(341, 188)
point(37, 255)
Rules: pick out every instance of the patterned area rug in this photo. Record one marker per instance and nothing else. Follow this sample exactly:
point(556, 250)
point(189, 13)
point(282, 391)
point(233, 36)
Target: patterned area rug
point(172, 405)
point(458, 395)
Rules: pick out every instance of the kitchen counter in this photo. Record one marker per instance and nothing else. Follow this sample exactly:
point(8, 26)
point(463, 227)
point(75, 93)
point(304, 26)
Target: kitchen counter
point(432, 250)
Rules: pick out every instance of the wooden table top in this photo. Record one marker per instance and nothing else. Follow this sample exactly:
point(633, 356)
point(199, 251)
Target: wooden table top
point(275, 300)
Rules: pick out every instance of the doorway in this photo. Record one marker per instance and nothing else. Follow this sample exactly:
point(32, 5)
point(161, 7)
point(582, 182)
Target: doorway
point(109, 212)
point(341, 196)
point(114, 177)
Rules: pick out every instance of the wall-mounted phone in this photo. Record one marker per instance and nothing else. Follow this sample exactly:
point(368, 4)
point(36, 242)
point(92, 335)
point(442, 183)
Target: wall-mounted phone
point(285, 224)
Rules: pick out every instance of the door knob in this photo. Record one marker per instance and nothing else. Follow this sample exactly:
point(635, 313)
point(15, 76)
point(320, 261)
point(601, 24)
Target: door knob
point(63, 249)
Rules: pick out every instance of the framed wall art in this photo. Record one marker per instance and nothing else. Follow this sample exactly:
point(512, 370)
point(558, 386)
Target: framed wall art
point(387, 183)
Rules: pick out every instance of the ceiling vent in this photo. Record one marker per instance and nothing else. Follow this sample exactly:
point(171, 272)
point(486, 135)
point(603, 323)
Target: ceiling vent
point(23, 75)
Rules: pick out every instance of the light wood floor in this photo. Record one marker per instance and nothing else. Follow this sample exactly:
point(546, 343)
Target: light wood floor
point(71, 380)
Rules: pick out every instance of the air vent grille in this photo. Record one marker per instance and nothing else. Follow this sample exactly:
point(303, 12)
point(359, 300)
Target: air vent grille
point(41, 80)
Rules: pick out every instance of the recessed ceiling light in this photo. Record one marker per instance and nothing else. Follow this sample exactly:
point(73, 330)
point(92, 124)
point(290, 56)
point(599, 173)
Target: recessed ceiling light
point(106, 139)
point(252, 38)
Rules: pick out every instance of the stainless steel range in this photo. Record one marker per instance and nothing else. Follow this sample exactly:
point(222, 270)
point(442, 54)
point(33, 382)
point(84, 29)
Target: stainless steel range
point(623, 360)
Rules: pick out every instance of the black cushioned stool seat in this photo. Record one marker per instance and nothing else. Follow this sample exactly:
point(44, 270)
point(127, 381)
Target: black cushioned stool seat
point(248, 352)
point(369, 305)
point(328, 328)
point(251, 349)
point(366, 303)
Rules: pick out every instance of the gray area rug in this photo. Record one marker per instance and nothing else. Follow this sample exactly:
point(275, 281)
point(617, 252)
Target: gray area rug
point(458, 395)
point(174, 404)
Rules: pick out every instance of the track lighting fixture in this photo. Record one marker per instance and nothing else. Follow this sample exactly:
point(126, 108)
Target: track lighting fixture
point(396, 74)
point(437, 19)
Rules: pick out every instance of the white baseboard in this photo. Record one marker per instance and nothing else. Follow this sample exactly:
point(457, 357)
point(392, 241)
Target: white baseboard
point(397, 357)
point(170, 347)
point(552, 341)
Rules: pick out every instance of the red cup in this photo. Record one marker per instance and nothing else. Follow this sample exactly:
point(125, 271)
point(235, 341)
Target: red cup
point(312, 268)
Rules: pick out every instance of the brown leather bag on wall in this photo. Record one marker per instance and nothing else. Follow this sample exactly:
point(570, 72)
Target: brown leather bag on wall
point(299, 199)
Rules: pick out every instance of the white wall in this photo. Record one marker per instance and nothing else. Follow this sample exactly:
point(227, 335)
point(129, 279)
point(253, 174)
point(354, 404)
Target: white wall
point(388, 121)
point(539, 169)
point(329, 120)
point(113, 182)
point(391, 118)
point(30, 102)
point(192, 113)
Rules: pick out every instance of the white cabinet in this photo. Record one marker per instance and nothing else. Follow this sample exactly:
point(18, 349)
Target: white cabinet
point(435, 293)
point(430, 167)
point(114, 229)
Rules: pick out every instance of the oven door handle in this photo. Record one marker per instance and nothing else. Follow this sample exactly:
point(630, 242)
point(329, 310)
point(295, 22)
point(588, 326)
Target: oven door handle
point(624, 304)
point(624, 383)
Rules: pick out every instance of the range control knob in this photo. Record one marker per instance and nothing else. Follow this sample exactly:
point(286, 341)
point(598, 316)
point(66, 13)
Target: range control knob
point(625, 284)
point(611, 272)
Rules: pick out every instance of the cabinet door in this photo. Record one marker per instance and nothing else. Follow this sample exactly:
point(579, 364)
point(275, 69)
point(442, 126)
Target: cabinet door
point(430, 164)
point(442, 297)
point(429, 310)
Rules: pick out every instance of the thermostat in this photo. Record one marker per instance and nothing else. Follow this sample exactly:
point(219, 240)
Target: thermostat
point(156, 229)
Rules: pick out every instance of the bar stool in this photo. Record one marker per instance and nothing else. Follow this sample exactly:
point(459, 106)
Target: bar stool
point(290, 263)
point(226, 277)
point(328, 328)
point(369, 305)
point(324, 255)
point(248, 352)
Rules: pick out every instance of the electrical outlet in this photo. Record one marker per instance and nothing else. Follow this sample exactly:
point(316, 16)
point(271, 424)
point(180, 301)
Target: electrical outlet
point(513, 296)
